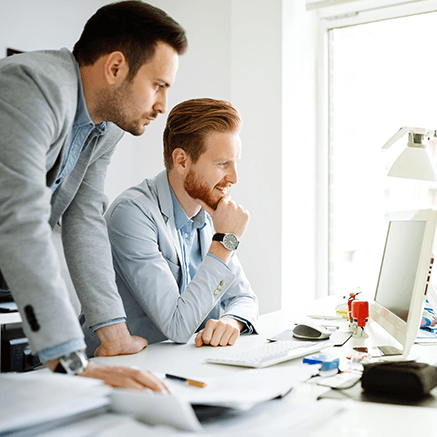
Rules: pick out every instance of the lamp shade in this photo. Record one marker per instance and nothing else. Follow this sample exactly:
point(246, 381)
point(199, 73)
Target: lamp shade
point(414, 163)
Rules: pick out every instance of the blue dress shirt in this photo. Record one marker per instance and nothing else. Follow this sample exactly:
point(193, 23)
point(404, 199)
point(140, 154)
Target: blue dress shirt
point(188, 233)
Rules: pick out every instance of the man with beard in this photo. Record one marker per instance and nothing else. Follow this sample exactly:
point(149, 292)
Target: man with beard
point(61, 116)
point(174, 236)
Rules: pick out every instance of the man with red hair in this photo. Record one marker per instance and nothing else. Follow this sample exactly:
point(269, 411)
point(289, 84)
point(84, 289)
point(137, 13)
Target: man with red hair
point(174, 236)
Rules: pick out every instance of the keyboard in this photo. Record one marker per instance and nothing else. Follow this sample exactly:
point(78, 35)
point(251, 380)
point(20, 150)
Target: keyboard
point(389, 350)
point(269, 354)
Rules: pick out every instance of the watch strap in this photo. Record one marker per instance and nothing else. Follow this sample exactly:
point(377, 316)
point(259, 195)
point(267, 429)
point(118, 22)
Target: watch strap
point(218, 237)
point(59, 368)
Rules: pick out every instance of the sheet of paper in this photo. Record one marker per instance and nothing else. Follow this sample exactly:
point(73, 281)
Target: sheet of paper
point(279, 417)
point(156, 409)
point(424, 336)
point(112, 425)
point(241, 390)
point(34, 399)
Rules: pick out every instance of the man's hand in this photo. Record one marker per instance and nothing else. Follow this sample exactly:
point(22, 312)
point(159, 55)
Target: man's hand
point(228, 217)
point(122, 377)
point(221, 332)
point(125, 377)
point(116, 340)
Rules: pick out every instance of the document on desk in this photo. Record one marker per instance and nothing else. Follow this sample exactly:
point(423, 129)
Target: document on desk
point(38, 401)
point(425, 337)
point(244, 389)
point(156, 409)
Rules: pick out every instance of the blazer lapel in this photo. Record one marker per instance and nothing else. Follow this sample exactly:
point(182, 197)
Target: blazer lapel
point(166, 205)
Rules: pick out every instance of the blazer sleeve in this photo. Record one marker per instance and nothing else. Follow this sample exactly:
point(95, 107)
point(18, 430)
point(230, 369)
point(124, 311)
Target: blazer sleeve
point(240, 300)
point(146, 261)
point(30, 123)
point(86, 245)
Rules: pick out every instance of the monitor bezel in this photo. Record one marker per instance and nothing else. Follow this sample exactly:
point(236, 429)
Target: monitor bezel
point(406, 332)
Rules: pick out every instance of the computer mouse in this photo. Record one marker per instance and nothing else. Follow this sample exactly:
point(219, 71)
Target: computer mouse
point(310, 331)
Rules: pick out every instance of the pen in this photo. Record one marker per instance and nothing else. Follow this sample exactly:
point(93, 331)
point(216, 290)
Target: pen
point(188, 381)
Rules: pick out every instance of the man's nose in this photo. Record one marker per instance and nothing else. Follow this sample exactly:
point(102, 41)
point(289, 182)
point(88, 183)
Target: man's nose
point(233, 174)
point(161, 103)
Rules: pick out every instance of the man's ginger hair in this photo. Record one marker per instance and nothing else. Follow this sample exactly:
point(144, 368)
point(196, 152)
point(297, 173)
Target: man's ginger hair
point(191, 121)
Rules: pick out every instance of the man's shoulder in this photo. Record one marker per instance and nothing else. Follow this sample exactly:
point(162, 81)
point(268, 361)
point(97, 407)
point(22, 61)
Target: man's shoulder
point(54, 64)
point(51, 75)
point(143, 196)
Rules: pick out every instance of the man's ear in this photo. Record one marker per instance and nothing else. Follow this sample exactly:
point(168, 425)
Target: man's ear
point(115, 68)
point(180, 160)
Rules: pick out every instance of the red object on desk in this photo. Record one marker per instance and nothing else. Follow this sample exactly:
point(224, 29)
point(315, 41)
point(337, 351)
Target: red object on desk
point(350, 301)
point(360, 312)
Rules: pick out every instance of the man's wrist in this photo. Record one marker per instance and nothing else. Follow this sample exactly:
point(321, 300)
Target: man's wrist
point(237, 323)
point(220, 251)
point(73, 363)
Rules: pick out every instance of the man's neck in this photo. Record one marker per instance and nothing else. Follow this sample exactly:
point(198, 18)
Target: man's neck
point(90, 83)
point(188, 204)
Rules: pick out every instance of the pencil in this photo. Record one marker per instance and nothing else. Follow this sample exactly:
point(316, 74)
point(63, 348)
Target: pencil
point(188, 381)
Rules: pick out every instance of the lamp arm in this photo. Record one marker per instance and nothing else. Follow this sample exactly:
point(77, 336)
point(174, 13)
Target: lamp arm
point(403, 130)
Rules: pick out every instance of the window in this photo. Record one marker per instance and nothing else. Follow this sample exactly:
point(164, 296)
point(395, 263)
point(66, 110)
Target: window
point(382, 76)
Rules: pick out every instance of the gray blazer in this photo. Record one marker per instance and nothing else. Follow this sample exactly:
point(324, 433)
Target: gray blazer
point(147, 261)
point(38, 99)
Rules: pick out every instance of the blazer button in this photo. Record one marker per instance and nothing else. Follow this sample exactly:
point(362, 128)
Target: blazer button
point(31, 318)
point(222, 283)
point(216, 292)
point(219, 288)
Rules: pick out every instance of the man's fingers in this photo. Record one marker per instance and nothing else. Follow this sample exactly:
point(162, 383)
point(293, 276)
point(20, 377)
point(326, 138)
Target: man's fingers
point(217, 333)
point(125, 377)
point(198, 340)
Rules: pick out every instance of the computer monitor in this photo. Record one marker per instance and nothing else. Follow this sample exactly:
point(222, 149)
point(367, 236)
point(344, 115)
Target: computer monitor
point(404, 277)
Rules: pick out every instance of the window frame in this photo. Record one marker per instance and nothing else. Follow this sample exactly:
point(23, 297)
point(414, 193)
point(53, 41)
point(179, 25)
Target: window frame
point(345, 15)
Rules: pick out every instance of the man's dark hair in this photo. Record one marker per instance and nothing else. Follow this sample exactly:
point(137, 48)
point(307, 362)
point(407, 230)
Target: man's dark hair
point(131, 27)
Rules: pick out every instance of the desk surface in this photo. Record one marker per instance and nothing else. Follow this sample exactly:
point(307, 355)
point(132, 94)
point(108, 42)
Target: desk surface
point(357, 418)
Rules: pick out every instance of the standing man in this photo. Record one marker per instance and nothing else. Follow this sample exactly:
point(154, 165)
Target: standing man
point(174, 236)
point(61, 116)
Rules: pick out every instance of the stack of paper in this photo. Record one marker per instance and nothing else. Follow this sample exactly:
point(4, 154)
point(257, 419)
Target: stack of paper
point(242, 390)
point(31, 403)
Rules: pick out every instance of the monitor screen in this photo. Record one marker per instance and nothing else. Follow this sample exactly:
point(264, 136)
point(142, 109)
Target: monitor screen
point(404, 276)
point(399, 266)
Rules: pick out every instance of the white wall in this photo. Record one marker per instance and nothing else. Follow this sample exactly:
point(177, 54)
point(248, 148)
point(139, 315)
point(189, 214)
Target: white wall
point(299, 176)
point(249, 52)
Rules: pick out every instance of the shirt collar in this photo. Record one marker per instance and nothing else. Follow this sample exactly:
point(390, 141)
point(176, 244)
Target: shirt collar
point(181, 218)
point(82, 117)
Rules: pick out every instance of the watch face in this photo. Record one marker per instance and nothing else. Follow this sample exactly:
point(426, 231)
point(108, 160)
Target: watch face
point(230, 241)
point(74, 362)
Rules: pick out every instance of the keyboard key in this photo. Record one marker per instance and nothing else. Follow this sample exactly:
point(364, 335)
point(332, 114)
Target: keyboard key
point(270, 353)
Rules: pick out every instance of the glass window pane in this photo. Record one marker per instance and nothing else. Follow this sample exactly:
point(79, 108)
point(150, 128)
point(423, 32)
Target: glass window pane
point(382, 77)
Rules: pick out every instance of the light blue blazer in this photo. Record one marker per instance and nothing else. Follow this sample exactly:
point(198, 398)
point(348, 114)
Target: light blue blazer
point(147, 262)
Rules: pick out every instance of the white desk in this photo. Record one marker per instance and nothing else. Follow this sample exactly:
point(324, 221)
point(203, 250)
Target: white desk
point(358, 418)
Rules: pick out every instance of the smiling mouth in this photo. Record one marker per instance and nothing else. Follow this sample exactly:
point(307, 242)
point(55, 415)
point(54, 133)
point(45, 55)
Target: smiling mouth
point(223, 190)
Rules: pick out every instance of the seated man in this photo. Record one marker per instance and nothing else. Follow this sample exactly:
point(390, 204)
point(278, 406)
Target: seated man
point(174, 236)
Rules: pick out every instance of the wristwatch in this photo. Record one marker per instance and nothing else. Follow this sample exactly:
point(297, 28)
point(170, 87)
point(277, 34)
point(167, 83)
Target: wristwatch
point(72, 364)
point(230, 241)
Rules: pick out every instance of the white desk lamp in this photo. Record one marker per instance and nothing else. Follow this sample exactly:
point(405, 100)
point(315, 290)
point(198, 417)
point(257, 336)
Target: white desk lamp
point(415, 162)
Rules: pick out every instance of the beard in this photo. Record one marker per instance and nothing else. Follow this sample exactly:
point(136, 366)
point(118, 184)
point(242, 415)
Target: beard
point(118, 107)
point(197, 188)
